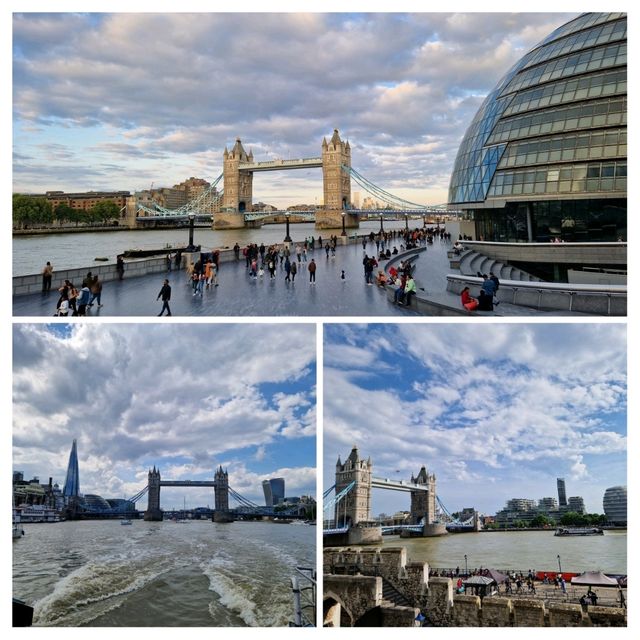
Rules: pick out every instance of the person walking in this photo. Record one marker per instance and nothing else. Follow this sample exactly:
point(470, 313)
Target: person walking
point(312, 271)
point(47, 274)
point(165, 294)
point(287, 270)
point(294, 270)
point(96, 292)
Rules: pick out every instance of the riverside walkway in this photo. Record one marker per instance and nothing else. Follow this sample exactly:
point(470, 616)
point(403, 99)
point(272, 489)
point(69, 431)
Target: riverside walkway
point(238, 295)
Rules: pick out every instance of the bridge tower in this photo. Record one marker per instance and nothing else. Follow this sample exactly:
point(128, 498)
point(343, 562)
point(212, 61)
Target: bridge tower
point(153, 511)
point(221, 513)
point(336, 184)
point(238, 189)
point(355, 507)
point(423, 503)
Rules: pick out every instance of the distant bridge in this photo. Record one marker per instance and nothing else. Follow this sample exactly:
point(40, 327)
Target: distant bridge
point(231, 207)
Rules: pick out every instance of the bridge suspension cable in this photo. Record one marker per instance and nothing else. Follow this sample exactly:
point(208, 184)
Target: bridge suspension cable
point(339, 496)
point(245, 502)
point(207, 199)
point(328, 491)
point(139, 495)
point(383, 195)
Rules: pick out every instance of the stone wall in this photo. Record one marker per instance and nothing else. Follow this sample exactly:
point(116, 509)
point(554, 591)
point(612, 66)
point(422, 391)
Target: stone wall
point(435, 599)
point(356, 594)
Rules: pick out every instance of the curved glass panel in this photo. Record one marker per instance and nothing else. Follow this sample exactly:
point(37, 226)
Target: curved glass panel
point(569, 109)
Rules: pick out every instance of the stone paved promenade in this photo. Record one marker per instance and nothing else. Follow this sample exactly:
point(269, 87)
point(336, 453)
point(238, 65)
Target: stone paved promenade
point(238, 295)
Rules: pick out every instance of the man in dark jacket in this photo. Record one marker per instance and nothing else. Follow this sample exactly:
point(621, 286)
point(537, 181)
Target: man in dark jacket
point(165, 294)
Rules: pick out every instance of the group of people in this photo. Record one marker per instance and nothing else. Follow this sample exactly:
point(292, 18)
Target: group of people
point(486, 299)
point(76, 301)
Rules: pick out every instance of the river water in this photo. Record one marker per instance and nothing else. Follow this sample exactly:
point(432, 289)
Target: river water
point(99, 573)
point(519, 550)
point(76, 250)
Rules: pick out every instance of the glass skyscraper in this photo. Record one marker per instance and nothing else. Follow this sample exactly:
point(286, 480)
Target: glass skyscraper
point(72, 482)
point(545, 157)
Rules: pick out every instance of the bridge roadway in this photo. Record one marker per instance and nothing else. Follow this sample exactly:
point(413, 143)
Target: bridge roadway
point(187, 483)
point(396, 485)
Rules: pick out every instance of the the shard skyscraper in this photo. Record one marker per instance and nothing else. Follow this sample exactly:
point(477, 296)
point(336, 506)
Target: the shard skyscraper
point(72, 483)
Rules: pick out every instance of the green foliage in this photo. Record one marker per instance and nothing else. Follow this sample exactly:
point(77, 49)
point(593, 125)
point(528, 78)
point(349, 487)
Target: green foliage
point(105, 210)
point(542, 520)
point(64, 213)
point(28, 211)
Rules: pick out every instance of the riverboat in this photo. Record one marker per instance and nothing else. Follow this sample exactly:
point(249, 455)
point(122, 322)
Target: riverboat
point(125, 521)
point(579, 531)
point(37, 513)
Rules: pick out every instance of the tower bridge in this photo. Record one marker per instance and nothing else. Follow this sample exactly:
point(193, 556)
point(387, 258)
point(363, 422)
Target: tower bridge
point(232, 206)
point(352, 522)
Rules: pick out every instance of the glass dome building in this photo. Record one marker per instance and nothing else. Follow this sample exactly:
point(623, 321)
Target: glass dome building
point(545, 157)
point(614, 504)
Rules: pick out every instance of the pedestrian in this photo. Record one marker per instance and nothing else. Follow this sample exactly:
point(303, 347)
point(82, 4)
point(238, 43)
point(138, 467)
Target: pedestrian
point(120, 267)
point(169, 261)
point(83, 300)
point(96, 292)
point(236, 251)
point(165, 294)
point(63, 306)
point(294, 270)
point(342, 276)
point(47, 274)
point(312, 271)
point(178, 260)
point(287, 269)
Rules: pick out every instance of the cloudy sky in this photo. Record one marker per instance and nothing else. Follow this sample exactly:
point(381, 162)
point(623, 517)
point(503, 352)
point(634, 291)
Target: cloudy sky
point(185, 398)
point(496, 411)
point(124, 100)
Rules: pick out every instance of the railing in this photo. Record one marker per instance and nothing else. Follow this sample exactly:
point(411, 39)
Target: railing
point(304, 587)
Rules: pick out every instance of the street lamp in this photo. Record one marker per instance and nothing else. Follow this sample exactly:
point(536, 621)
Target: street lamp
point(406, 221)
point(559, 565)
point(466, 571)
point(287, 237)
point(344, 231)
point(192, 219)
point(381, 218)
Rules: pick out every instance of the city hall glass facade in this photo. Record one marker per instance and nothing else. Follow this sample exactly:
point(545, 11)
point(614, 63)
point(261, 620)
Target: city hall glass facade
point(546, 155)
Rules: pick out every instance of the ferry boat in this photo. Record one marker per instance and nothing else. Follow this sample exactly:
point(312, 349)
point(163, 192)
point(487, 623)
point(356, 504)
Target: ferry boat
point(37, 513)
point(579, 531)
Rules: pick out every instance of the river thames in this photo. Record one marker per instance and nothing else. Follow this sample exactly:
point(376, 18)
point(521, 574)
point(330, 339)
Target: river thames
point(79, 250)
point(519, 550)
point(160, 574)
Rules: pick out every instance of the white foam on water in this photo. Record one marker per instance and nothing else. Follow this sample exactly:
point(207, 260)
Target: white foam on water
point(231, 593)
point(92, 583)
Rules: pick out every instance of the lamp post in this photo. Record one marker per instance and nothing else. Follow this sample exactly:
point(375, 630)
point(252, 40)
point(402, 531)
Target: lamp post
point(381, 219)
point(287, 237)
point(192, 219)
point(466, 571)
point(406, 222)
point(344, 231)
point(559, 565)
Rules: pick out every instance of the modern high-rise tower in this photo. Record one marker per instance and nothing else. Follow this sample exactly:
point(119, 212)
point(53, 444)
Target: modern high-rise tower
point(562, 493)
point(72, 482)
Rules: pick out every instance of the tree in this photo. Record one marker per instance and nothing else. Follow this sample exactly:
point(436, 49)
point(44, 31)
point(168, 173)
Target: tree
point(64, 213)
point(542, 520)
point(28, 210)
point(105, 210)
